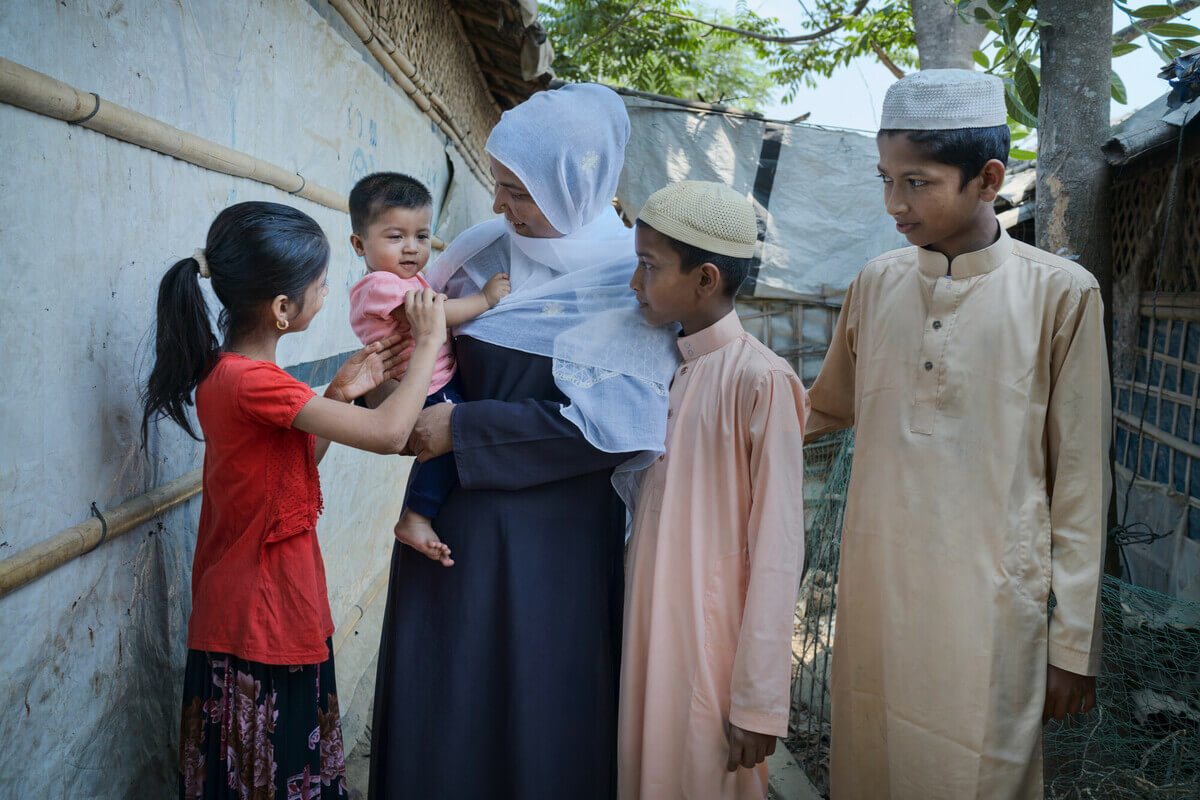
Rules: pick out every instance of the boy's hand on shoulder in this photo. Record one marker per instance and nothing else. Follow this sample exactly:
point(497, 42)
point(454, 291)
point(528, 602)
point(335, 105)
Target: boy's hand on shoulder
point(747, 748)
point(1067, 693)
point(498, 286)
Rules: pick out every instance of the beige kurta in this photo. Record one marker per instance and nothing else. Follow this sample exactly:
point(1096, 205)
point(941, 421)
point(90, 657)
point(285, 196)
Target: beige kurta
point(979, 485)
point(714, 565)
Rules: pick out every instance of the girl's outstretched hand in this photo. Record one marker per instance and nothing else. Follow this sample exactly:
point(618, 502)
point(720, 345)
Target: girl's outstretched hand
point(426, 314)
point(368, 368)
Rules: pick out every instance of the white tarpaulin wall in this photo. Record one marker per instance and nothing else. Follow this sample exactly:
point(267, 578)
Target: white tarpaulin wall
point(817, 189)
point(93, 652)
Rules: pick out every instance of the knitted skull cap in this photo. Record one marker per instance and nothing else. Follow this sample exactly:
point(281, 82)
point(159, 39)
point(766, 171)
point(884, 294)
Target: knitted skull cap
point(944, 99)
point(707, 215)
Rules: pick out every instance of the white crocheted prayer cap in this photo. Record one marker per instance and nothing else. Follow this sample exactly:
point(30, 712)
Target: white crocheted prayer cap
point(944, 99)
point(707, 215)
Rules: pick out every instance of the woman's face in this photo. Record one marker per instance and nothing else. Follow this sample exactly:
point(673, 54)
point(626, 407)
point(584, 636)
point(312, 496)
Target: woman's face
point(517, 206)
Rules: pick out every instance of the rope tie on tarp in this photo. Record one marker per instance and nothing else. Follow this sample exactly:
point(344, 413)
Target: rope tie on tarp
point(103, 527)
point(95, 110)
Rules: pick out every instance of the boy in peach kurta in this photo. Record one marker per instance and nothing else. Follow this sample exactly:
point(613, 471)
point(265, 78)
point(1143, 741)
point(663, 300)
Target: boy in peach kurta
point(717, 547)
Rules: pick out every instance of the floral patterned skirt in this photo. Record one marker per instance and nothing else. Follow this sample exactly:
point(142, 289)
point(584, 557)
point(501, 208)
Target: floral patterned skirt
point(255, 731)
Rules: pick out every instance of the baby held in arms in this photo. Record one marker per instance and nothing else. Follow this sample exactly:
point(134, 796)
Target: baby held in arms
point(391, 216)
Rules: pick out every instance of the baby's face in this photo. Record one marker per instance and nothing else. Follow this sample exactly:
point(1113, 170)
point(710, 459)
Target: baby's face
point(397, 241)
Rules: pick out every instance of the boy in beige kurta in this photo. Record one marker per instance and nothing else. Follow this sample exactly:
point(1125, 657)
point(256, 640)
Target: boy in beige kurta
point(718, 547)
point(974, 369)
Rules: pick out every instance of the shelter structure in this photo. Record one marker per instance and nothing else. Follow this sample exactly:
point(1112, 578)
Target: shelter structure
point(815, 189)
point(125, 132)
point(1155, 155)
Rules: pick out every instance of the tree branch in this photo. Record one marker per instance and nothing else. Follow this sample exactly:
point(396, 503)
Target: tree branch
point(887, 62)
point(762, 37)
point(633, 7)
point(1131, 32)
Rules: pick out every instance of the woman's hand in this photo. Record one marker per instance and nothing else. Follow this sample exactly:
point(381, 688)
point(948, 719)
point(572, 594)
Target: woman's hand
point(426, 313)
point(431, 436)
point(368, 368)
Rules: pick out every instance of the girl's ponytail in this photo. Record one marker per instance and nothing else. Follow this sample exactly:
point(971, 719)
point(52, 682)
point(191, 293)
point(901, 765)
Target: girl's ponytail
point(185, 347)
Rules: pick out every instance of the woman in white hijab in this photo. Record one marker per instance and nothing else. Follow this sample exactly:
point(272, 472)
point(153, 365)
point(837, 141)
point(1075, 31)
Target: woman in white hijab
point(498, 675)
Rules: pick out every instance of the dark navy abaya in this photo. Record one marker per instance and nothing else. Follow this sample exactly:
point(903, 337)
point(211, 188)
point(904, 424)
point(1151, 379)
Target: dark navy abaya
point(498, 676)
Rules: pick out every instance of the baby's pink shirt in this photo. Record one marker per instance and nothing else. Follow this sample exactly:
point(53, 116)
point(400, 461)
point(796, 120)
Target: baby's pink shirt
point(372, 301)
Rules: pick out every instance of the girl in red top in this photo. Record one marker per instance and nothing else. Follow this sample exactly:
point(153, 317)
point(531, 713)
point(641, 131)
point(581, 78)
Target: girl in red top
point(260, 712)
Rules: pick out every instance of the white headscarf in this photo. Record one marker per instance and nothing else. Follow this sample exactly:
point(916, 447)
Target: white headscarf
point(571, 299)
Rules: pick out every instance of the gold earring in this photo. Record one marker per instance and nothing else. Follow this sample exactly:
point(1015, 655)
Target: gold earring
point(282, 324)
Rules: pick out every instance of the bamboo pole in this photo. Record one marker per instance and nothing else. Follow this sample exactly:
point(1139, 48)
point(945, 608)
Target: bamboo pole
point(49, 554)
point(24, 87)
point(343, 631)
point(41, 94)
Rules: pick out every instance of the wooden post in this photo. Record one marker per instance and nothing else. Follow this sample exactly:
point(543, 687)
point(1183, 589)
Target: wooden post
point(944, 41)
point(1073, 218)
point(1073, 213)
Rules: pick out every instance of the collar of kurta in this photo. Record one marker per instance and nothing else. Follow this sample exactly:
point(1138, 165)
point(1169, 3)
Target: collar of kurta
point(969, 265)
point(714, 337)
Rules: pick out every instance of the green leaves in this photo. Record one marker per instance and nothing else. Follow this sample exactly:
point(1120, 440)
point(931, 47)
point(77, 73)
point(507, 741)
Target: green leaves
point(639, 44)
point(1022, 155)
point(1174, 29)
point(1117, 88)
point(1152, 12)
point(1026, 86)
point(1017, 109)
point(617, 41)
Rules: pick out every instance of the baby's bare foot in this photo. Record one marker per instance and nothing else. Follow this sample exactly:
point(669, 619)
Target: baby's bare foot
point(417, 532)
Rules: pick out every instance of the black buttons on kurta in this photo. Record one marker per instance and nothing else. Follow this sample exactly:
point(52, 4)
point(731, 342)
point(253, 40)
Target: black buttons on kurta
point(928, 366)
point(937, 324)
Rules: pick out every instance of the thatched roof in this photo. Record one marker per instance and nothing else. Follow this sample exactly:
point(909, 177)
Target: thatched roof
point(510, 46)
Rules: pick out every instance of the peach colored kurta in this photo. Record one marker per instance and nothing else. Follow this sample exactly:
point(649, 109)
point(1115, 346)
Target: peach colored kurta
point(980, 397)
point(714, 565)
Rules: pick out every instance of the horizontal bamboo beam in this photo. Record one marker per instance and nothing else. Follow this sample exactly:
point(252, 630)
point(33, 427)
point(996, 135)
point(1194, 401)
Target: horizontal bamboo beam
point(1172, 305)
point(41, 94)
point(31, 90)
point(49, 554)
point(1134, 421)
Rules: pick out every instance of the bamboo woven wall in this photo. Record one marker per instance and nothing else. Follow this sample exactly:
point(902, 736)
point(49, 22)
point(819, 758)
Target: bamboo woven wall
point(430, 33)
point(1159, 396)
point(1139, 197)
point(1140, 194)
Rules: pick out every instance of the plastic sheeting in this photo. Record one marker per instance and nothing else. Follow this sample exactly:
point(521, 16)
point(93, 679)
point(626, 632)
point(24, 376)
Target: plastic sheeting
point(824, 215)
point(1169, 565)
point(93, 652)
